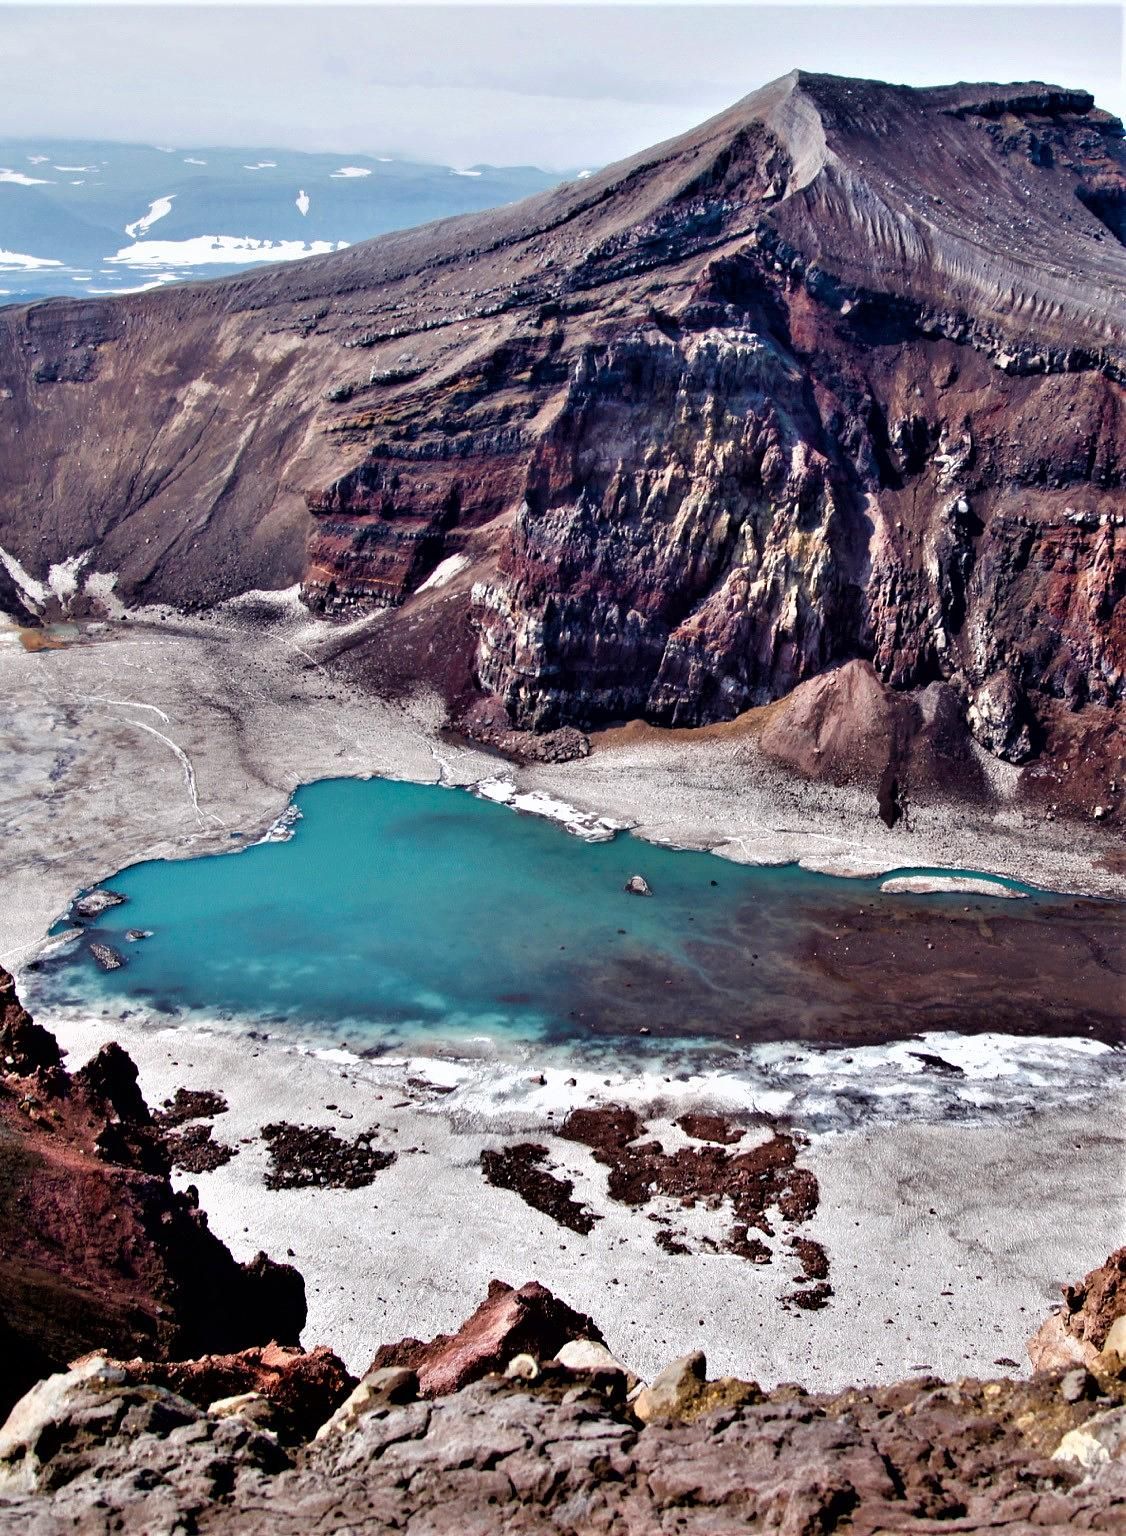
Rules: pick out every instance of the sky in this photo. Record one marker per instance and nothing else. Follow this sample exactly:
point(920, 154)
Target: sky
point(560, 86)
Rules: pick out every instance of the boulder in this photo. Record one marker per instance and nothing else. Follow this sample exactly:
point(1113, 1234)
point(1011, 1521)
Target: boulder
point(1101, 1440)
point(588, 1355)
point(93, 903)
point(107, 957)
point(1112, 1356)
point(999, 718)
point(637, 885)
point(384, 1388)
point(302, 1388)
point(1077, 1333)
point(508, 1322)
point(683, 1392)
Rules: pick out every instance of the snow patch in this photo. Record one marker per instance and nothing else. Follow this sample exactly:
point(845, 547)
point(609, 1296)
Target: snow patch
point(302, 202)
point(193, 160)
point(62, 578)
point(444, 572)
point(33, 593)
point(75, 169)
point(18, 179)
point(158, 208)
point(227, 250)
point(584, 175)
point(968, 885)
point(465, 173)
point(14, 261)
point(158, 281)
point(262, 165)
point(99, 586)
point(347, 171)
point(587, 825)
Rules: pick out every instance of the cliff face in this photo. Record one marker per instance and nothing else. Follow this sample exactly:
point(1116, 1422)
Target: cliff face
point(96, 1249)
point(837, 375)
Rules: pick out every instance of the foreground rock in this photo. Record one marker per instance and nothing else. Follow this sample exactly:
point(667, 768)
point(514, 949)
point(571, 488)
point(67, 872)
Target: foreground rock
point(97, 1252)
point(1081, 1330)
point(565, 1453)
point(300, 1389)
point(508, 1322)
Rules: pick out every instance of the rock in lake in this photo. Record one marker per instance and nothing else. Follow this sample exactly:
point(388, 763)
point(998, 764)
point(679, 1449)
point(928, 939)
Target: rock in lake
point(93, 903)
point(106, 956)
point(637, 885)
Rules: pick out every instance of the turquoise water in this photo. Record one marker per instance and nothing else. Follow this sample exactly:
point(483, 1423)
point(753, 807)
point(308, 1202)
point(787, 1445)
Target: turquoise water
point(400, 911)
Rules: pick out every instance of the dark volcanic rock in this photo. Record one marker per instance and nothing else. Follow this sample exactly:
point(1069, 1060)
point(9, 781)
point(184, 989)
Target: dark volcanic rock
point(508, 1322)
point(190, 1104)
point(705, 1127)
point(96, 1249)
point(305, 1155)
point(519, 1168)
point(759, 1180)
point(835, 377)
point(194, 1150)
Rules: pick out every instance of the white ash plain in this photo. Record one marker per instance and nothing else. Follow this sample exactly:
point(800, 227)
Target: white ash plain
point(947, 1244)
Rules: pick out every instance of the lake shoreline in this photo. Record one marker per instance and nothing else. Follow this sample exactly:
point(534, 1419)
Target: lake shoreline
point(92, 781)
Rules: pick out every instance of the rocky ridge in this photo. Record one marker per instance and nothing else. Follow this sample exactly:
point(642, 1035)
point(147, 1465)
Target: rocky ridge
point(562, 1439)
point(521, 1421)
point(833, 381)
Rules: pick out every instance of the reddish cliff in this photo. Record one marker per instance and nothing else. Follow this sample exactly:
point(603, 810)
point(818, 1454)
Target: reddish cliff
point(96, 1249)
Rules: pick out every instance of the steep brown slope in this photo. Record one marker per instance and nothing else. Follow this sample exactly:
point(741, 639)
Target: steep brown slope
point(836, 375)
point(96, 1249)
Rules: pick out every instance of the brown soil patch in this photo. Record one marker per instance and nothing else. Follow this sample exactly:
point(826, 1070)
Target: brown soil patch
point(757, 1181)
point(39, 640)
point(710, 1128)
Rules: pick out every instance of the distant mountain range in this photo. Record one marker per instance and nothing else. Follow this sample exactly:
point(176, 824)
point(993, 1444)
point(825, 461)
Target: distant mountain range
point(78, 216)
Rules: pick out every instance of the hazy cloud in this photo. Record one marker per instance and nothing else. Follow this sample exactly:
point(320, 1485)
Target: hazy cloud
point(559, 86)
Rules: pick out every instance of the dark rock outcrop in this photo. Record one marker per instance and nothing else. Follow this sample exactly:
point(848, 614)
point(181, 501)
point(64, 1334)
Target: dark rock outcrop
point(835, 377)
point(97, 1251)
point(303, 1388)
